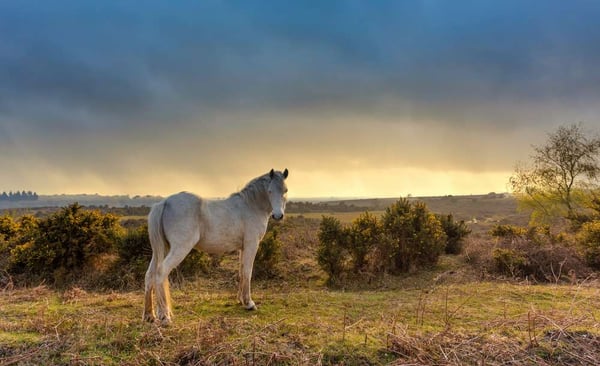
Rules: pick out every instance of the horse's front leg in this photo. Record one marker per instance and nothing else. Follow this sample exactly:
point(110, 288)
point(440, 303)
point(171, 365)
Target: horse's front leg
point(247, 255)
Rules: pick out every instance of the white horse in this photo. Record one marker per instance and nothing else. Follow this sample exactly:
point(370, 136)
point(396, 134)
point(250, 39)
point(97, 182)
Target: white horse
point(184, 221)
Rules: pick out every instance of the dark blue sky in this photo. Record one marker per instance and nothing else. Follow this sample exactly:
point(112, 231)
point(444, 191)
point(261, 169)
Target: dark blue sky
point(112, 96)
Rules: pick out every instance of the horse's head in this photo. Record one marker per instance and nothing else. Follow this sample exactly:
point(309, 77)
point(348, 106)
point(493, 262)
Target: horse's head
point(277, 191)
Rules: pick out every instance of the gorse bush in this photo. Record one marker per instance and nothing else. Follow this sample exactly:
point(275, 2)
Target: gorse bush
point(63, 243)
point(268, 255)
point(8, 227)
point(508, 231)
point(13, 233)
point(456, 232)
point(416, 235)
point(510, 262)
point(363, 236)
point(589, 242)
point(331, 252)
point(194, 264)
point(135, 245)
point(407, 237)
point(133, 256)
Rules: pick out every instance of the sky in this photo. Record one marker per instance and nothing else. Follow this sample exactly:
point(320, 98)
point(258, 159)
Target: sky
point(355, 98)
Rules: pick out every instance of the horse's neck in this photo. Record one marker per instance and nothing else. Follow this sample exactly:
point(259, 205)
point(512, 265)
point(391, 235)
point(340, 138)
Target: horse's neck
point(254, 203)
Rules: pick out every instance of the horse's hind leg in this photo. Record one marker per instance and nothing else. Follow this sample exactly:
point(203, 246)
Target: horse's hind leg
point(161, 284)
point(149, 314)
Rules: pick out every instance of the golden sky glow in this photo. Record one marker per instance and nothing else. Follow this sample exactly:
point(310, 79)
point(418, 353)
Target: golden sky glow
point(364, 99)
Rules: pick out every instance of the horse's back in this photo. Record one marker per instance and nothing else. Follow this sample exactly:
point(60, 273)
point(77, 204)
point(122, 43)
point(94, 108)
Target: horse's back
point(185, 203)
point(181, 217)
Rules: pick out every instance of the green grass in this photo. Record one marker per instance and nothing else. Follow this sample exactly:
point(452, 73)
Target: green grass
point(407, 318)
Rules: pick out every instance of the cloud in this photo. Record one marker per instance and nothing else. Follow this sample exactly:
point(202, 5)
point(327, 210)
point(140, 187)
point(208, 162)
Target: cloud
point(98, 92)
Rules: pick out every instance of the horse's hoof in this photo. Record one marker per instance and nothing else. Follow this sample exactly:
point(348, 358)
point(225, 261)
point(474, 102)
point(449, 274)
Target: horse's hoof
point(164, 320)
point(251, 306)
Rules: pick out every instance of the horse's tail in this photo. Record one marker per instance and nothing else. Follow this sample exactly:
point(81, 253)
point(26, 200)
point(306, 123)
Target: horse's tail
point(159, 243)
point(156, 232)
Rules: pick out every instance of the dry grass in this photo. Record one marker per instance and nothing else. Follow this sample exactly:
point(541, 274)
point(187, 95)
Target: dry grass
point(345, 217)
point(429, 318)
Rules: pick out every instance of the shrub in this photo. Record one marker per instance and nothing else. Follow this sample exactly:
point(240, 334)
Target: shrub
point(331, 252)
point(553, 263)
point(535, 253)
point(508, 231)
point(268, 255)
point(12, 234)
point(363, 236)
point(533, 235)
point(28, 226)
point(589, 242)
point(407, 237)
point(8, 227)
point(509, 262)
point(416, 235)
point(456, 232)
point(134, 245)
point(542, 235)
point(194, 264)
point(64, 242)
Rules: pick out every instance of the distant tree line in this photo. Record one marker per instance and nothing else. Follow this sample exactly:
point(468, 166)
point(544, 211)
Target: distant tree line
point(19, 196)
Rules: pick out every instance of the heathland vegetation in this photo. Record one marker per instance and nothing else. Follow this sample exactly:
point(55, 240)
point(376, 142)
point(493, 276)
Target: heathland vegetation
point(441, 280)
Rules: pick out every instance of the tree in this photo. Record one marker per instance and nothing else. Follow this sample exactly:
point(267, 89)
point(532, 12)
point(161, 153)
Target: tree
point(562, 176)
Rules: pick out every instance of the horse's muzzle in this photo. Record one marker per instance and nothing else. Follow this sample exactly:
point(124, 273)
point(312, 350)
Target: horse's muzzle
point(277, 217)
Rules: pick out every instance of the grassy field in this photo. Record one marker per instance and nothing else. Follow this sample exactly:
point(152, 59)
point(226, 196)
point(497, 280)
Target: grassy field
point(441, 316)
point(345, 217)
point(447, 315)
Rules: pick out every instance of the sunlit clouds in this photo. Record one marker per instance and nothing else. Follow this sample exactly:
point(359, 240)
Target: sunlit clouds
point(364, 99)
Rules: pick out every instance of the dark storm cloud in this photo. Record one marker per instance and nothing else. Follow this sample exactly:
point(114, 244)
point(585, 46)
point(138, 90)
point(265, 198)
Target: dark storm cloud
point(124, 77)
point(127, 61)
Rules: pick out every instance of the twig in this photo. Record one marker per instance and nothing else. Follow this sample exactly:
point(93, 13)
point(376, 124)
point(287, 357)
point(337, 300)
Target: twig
point(344, 328)
point(353, 324)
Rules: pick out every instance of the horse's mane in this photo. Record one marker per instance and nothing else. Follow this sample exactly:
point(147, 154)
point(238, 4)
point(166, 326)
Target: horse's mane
point(255, 191)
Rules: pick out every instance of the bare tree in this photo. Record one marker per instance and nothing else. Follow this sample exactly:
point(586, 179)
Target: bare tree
point(562, 176)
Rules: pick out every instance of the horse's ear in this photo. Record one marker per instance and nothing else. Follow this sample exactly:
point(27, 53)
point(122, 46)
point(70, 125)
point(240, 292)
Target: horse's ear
point(285, 173)
point(271, 173)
